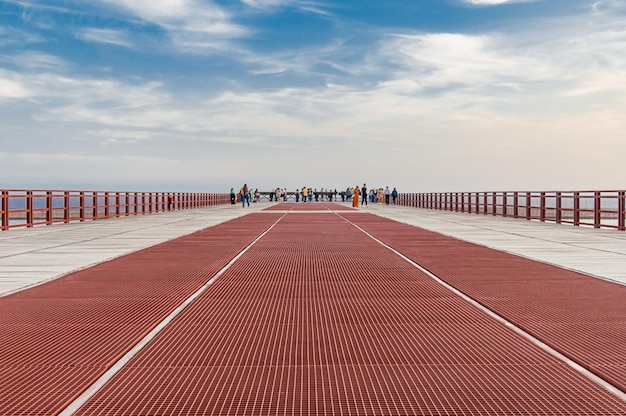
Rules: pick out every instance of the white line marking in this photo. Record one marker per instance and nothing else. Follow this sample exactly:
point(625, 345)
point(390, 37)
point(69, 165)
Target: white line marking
point(115, 368)
point(591, 376)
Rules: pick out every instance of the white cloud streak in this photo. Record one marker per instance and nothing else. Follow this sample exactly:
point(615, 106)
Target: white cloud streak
point(495, 2)
point(305, 5)
point(108, 36)
point(191, 24)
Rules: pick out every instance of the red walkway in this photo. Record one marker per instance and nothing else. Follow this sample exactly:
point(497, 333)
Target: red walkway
point(316, 318)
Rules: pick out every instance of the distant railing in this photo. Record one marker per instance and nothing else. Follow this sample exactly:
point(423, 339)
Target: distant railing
point(599, 209)
point(30, 208)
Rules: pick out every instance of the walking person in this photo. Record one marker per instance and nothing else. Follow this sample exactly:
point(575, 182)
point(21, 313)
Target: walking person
point(394, 195)
point(244, 194)
point(387, 193)
point(233, 196)
point(364, 195)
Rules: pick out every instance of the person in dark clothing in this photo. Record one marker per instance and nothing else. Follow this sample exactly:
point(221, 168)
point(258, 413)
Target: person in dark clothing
point(364, 195)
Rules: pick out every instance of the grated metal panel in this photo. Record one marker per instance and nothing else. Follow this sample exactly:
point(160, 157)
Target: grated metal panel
point(580, 316)
point(59, 337)
point(316, 318)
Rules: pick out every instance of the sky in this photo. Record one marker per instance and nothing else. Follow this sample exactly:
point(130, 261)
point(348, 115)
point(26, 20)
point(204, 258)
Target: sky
point(204, 95)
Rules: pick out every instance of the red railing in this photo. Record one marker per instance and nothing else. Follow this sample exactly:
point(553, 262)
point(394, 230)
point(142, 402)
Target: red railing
point(29, 208)
point(599, 209)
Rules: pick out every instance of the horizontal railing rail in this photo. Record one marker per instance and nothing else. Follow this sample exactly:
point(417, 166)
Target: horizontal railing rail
point(30, 208)
point(598, 209)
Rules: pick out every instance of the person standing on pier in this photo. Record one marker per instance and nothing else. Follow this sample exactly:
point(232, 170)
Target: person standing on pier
point(364, 195)
point(387, 193)
point(355, 197)
point(245, 195)
point(233, 196)
point(394, 195)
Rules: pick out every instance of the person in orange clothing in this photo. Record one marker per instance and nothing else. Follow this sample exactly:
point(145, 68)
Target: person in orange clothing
point(355, 197)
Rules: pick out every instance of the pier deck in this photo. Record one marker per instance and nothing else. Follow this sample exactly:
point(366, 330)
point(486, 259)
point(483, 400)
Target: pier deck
point(312, 309)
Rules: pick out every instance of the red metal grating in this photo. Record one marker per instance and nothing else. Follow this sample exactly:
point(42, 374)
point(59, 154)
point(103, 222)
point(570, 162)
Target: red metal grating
point(580, 316)
point(59, 337)
point(316, 318)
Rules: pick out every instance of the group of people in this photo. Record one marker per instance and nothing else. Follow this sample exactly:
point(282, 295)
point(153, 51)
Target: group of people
point(245, 195)
point(376, 195)
point(310, 194)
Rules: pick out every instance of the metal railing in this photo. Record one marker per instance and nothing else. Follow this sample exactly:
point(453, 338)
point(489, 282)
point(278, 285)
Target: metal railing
point(598, 209)
point(30, 208)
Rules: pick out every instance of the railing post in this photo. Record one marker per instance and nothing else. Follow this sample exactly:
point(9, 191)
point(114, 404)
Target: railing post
point(529, 206)
point(66, 207)
point(107, 210)
point(29, 209)
point(542, 214)
point(81, 208)
point(5, 210)
point(135, 203)
point(94, 215)
point(49, 207)
point(505, 204)
point(118, 201)
point(485, 203)
point(559, 208)
point(515, 205)
point(620, 210)
point(597, 209)
point(576, 208)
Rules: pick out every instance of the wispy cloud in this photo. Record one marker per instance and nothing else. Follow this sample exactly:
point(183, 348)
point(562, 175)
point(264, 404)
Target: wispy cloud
point(36, 61)
point(12, 36)
point(314, 7)
point(109, 36)
point(496, 2)
point(12, 88)
point(191, 24)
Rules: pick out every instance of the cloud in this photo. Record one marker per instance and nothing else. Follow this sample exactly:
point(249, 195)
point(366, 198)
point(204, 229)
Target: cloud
point(495, 2)
point(303, 5)
point(12, 89)
point(31, 61)
point(191, 24)
point(125, 135)
point(109, 36)
point(12, 36)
